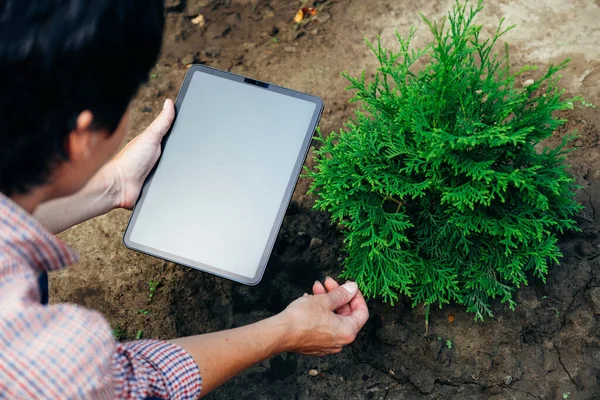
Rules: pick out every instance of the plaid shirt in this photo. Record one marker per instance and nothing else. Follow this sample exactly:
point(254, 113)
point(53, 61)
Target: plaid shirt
point(63, 351)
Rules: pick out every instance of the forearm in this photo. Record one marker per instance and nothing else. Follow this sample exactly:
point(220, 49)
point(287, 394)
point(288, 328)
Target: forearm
point(96, 198)
point(222, 355)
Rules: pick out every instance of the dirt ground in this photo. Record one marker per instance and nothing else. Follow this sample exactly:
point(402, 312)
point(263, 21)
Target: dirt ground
point(549, 348)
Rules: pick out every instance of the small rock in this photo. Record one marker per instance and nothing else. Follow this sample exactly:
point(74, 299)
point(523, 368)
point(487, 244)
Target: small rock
point(508, 380)
point(314, 31)
point(301, 234)
point(315, 242)
point(592, 298)
point(528, 82)
point(274, 31)
point(289, 49)
point(586, 249)
point(199, 20)
point(313, 372)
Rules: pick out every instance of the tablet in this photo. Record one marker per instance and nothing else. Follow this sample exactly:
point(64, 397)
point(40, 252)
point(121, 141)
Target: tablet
point(216, 199)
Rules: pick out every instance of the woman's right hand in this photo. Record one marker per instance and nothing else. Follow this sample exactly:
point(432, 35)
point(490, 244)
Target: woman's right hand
point(323, 323)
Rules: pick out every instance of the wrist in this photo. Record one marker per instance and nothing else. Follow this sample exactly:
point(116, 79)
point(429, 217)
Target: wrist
point(287, 333)
point(111, 188)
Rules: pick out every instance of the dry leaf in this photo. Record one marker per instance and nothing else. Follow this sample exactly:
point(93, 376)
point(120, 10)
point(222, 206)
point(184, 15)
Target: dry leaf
point(451, 318)
point(299, 16)
point(304, 12)
point(313, 372)
point(309, 11)
point(199, 20)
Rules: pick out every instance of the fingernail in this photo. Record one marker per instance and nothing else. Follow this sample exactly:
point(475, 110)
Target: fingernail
point(316, 282)
point(165, 104)
point(351, 287)
point(328, 278)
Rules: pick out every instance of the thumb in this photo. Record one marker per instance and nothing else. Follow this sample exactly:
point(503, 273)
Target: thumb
point(342, 295)
point(161, 125)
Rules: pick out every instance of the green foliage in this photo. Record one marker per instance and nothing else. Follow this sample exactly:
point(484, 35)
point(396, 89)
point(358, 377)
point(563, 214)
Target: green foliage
point(152, 287)
point(139, 334)
point(437, 183)
point(144, 312)
point(449, 344)
point(119, 333)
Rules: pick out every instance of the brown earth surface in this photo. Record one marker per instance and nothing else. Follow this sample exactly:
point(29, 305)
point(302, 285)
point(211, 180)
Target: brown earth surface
point(549, 348)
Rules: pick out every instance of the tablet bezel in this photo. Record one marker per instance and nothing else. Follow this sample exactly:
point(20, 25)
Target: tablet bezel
point(285, 200)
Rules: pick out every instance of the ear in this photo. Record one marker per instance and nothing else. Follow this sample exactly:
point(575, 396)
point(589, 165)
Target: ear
point(82, 139)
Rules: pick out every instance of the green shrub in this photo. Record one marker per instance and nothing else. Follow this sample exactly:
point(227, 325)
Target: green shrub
point(437, 183)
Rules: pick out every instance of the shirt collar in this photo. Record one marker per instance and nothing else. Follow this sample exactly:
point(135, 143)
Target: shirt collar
point(23, 237)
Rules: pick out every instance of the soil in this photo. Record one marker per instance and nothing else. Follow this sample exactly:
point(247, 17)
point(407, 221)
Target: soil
point(548, 348)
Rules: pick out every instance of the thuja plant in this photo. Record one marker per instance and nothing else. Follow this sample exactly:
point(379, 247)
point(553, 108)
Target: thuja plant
point(437, 182)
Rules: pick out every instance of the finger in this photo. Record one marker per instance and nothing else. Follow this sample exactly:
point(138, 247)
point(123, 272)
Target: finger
point(305, 295)
point(360, 311)
point(342, 295)
point(318, 288)
point(330, 285)
point(160, 126)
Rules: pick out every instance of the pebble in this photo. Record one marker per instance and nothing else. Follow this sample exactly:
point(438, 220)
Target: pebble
point(508, 380)
point(199, 20)
point(313, 372)
point(289, 49)
point(528, 82)
point(315, 242)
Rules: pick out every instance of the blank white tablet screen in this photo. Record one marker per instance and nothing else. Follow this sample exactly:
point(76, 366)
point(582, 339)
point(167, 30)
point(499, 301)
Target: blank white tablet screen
point(216, 193)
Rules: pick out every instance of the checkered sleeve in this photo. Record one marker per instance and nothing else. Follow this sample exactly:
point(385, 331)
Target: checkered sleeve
point(161, 369)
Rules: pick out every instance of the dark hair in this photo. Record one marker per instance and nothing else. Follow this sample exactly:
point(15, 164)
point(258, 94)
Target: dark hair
point(59, 58)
